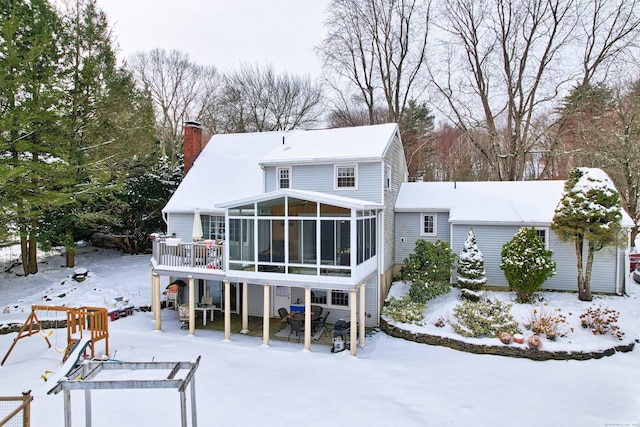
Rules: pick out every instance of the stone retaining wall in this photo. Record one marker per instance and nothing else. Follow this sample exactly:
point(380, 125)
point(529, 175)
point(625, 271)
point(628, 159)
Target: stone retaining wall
point(499, 350)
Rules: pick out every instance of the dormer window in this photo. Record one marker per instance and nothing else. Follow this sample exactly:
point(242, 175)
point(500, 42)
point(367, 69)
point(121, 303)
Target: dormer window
point(346, 176)
point(284, 178)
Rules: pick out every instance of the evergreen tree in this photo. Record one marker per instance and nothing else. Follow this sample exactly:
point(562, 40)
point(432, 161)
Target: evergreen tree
point(526, 263)
point(590, 212)
point(108, 122)
point(471, 274)
point(33, 169)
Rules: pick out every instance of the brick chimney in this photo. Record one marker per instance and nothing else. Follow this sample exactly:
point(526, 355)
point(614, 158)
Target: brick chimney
point(192, 144)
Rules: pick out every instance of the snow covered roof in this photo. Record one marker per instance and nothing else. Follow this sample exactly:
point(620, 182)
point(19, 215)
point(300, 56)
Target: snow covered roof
point(333, 145)
point(230, 166)
point(226, 169)
point(341, 201)
point(519, 202)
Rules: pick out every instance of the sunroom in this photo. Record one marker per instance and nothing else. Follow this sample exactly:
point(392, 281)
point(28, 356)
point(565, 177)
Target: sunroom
point(304, 248)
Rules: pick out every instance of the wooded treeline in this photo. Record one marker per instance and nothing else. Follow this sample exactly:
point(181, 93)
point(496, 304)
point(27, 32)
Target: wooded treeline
point(491, 90)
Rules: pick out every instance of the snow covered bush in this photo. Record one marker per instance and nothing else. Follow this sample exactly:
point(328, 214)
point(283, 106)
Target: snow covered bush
point(471, 274)
point(429, 262)
point(421, 291)
point(526, 263)
point(486, 318)
point(404, 310)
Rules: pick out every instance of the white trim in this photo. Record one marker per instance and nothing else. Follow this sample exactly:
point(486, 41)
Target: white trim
point(435, 223)
point(546, 235)
point(355, 176)
point(278, 178)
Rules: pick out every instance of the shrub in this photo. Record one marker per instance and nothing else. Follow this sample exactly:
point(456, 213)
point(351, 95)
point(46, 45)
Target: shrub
point(404, 310)
point(484, 318)
point(471, 274)
point(526, 263)
point(421, 291)
point(430, 262)
point(601, 321)
point(543, 321)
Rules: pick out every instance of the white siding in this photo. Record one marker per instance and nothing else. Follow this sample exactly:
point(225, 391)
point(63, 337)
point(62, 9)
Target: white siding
point(407, 232)
point(320, 178)
point(181, 225)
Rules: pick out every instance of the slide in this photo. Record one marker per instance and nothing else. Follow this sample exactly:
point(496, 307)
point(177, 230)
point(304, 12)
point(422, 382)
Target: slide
point(71, 362)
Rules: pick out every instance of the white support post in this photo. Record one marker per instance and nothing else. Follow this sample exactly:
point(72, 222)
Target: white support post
point(354, 322)
point(156, 301)
point(67, 408)
point(183, 409)
point(192, 304)
point(194, 415)
point(265, 315)
point(87, 407)
point(307, 318)
point(153, 295)
point(227, 310)
point(362, 315)
point(245, 309)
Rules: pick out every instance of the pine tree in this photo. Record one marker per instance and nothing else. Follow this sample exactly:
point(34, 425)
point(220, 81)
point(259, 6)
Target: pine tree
point(33, 168)
point(590, 212)
point(471, 274)
point(526, 263)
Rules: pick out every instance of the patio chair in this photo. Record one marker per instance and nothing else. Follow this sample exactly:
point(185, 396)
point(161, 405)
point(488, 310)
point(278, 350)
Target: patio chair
point(297, 326)
point(284, 316)
point(321, 323)
point(316, 311)
point(205, 301)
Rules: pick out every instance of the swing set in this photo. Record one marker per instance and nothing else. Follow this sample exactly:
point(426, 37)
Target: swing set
point(93, 320)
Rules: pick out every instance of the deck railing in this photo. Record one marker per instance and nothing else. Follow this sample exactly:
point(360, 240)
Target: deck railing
point(174, 253)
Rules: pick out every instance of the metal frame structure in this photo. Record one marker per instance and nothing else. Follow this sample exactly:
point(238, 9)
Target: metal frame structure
point(85, 377)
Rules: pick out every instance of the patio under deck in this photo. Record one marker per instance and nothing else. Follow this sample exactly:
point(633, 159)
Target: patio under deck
point(255, 328)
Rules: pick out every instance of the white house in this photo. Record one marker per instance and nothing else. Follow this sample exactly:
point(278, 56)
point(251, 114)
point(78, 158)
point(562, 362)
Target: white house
point(292, 219)
point(496, 211)
point(289, 219)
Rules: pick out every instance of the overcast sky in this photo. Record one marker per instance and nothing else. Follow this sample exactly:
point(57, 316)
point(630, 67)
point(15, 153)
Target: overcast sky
point(224, 33)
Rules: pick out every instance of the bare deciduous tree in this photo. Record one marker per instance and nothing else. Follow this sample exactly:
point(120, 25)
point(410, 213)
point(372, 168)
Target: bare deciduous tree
point(377, 51)
point(181, 90)
point(256, 99)
point(514, 59)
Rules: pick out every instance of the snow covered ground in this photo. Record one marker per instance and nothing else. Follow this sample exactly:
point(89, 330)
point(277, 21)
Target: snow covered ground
point(242, 383)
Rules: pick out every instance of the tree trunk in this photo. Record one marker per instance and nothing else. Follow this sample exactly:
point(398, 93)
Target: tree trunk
point(33, 248)
point(24, 253)
point(584, 293)
point(70, 251)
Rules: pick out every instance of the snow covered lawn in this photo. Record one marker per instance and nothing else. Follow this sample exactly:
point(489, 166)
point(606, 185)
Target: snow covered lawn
point(390, 382)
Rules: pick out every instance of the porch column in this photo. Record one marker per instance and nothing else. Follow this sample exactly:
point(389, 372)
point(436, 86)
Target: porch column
point(307, 318)
point(153, 295)
point(354, 322)
point(192, 304)
point(362, 315)
point(245, 309)
point(227, 310)
point(265, 315)
point(155, 300)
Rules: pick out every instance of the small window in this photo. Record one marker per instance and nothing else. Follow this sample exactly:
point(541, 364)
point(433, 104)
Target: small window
point(340, 298)
point(387, 178)
point(542, 233)
point(284, 178)
point(428, 227)
point(345, 177)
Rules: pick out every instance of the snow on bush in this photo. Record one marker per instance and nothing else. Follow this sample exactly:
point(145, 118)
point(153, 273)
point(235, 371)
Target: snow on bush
point(487, 318)
point(471, 273)
point(526, 263)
